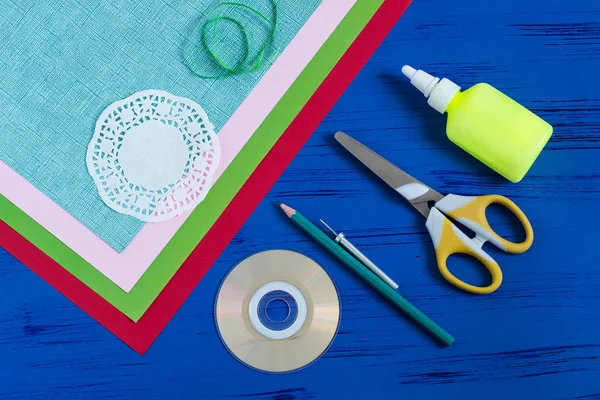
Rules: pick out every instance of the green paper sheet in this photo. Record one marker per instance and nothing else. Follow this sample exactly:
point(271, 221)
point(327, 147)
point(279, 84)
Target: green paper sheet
point(137, 301)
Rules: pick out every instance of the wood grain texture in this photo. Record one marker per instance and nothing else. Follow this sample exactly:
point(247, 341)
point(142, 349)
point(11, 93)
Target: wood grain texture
point(537, 337)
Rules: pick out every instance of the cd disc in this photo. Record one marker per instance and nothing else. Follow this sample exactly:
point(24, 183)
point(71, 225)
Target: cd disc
point(300, 334)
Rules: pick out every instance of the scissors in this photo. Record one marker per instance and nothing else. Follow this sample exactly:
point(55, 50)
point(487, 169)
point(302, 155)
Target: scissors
point(447, 238)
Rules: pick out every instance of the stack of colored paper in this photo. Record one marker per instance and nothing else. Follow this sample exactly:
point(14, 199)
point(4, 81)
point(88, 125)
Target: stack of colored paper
point(64, 63)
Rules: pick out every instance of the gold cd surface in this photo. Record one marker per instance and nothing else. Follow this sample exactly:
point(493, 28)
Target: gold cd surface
point(305, 329)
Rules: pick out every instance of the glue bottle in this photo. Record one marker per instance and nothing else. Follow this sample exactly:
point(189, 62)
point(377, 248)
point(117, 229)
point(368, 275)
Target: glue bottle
point(486, 123)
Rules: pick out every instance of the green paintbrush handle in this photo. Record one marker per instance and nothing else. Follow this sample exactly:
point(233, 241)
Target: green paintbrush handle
point(373, 280)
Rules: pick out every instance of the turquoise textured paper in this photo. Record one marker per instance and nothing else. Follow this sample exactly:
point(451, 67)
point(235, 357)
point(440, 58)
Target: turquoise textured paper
point(63, 62)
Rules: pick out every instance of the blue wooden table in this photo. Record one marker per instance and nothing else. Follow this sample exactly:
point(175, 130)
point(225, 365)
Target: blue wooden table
point(535, 338)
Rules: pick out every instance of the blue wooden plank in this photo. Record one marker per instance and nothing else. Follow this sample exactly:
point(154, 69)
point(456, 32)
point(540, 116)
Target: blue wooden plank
point(537, 337)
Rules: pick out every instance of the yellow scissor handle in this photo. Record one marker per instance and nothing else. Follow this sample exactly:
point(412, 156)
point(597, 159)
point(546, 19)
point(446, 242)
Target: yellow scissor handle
point(470, 211)
point(448, 240)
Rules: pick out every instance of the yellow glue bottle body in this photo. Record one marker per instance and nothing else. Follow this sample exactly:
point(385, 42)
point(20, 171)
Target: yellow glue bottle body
point(486, 123)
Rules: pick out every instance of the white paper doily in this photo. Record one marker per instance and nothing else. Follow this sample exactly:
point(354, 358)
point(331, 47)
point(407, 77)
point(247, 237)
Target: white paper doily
point(153, 155)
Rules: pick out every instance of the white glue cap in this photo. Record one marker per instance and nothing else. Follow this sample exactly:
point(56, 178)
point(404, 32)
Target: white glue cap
point(438, 92)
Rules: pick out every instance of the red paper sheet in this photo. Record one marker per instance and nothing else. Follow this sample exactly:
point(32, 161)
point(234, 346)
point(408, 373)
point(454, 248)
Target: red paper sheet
point(140, 335)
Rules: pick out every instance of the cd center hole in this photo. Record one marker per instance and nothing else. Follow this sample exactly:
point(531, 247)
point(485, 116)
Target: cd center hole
point(277, 310)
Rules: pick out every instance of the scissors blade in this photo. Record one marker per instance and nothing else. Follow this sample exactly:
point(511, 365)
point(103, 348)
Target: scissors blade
point(413, 190)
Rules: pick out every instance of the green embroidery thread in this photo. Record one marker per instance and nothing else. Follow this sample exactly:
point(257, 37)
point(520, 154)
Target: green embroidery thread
point(247, 63)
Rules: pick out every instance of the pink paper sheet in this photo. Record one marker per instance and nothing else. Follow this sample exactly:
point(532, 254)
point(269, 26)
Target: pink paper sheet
point(127, 267)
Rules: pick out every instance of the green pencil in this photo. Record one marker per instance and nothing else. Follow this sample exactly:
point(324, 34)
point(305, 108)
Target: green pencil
point(423, 320)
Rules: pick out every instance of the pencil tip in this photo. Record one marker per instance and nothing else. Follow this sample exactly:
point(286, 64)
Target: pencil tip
point(289, 211)
point(278, 203)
